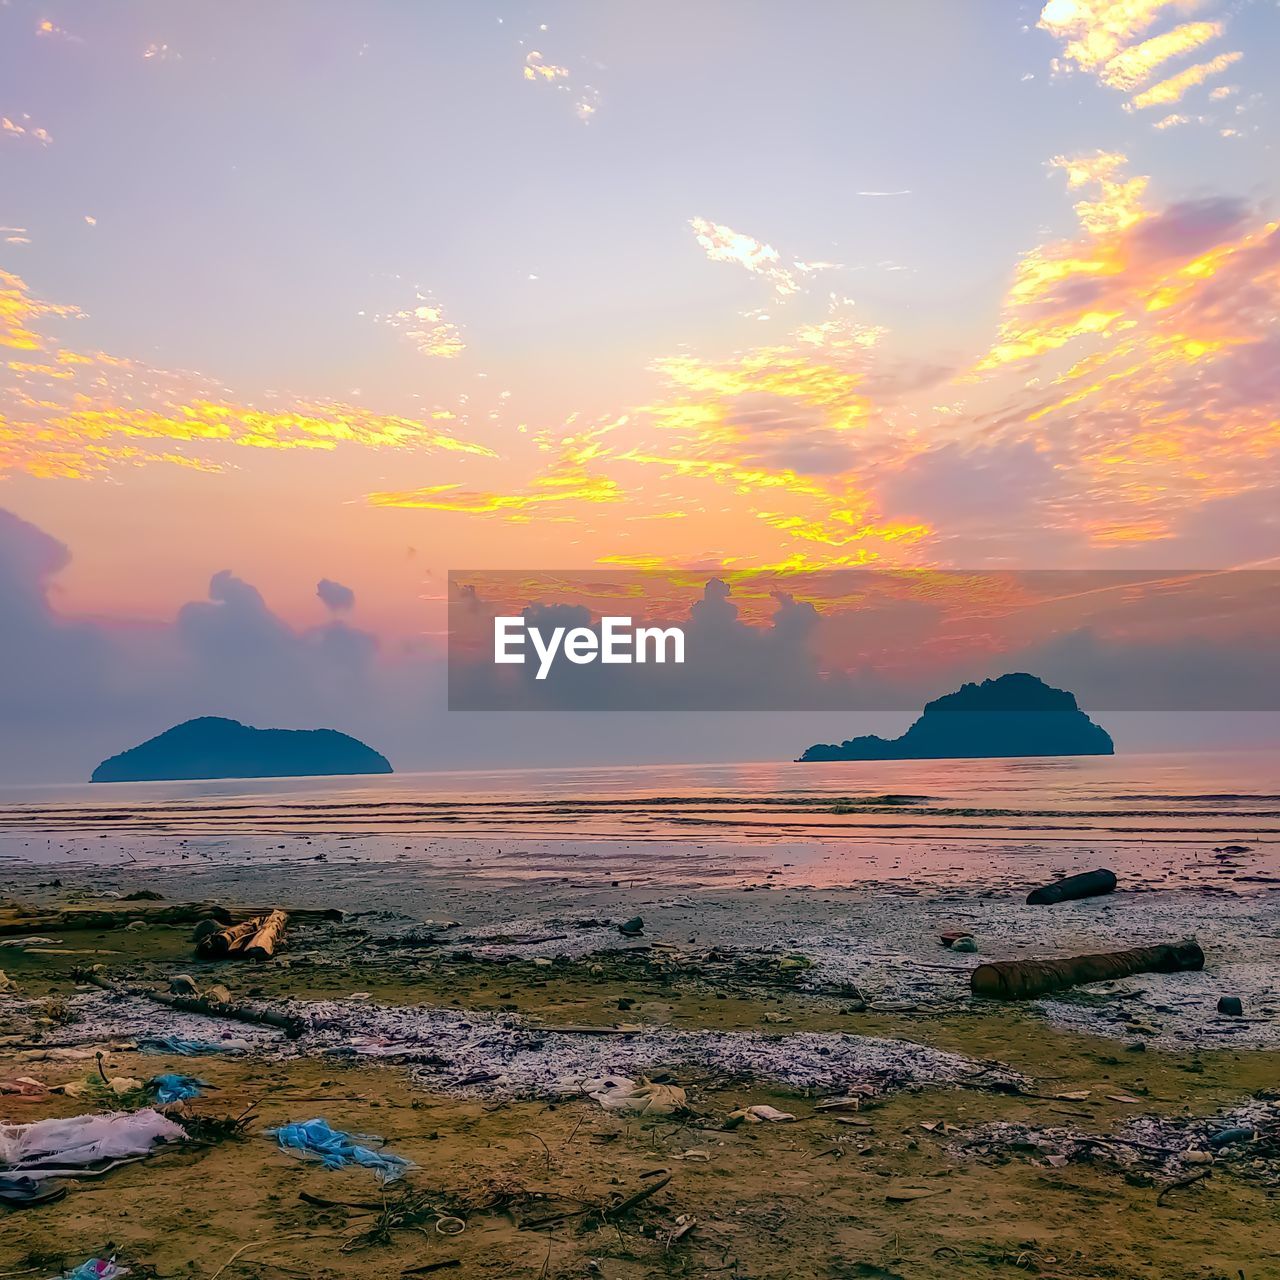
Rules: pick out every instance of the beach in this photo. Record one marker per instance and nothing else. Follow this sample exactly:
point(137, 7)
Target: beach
point(479, 986)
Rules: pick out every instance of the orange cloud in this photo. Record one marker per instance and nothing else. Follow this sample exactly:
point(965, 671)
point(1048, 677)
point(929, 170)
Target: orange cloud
point(1171, 399)
point(12, 129)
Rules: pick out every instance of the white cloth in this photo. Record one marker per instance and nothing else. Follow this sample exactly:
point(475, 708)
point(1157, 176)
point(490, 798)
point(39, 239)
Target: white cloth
point(49, 1147)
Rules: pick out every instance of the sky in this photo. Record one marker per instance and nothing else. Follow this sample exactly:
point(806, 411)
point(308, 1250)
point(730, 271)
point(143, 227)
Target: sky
point(362, 294)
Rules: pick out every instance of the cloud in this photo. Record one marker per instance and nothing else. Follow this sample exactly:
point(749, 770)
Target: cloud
point(74, 414)
point(723, 244)
point(425, 326)
point(1104, 39)
point(1154, 337)
point(73, 692)
point(33, 133)
point(586, 98)
point(570, 481)
point(336, 597)
point(1172, 90)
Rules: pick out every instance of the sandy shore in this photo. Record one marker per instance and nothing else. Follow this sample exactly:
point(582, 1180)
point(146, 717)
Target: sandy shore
point(476, 988)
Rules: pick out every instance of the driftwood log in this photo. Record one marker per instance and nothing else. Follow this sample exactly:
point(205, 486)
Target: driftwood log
point(214, 946)
point(20, 920)
point(1088, 884)
point(232, 1010)
point(263, 943)
point(1025, 979)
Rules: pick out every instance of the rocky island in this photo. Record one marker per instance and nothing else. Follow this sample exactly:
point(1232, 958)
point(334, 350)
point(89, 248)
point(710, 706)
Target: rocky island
point(1013, 715)
point(214, 747)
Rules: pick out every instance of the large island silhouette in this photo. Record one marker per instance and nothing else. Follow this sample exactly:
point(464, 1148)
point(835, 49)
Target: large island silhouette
point(1013, 715)
point(213, 747)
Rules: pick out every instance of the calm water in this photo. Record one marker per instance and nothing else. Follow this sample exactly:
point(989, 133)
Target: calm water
point(1231, 795)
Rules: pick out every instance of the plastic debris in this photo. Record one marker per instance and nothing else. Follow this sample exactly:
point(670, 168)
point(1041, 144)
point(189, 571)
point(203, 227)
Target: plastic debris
point(760, 1114)
point(1239, 1133)
point(95, 1269)
point(335, 1149)
point(50, 1148)
point(175, 1088)
point(618, 1093)
point(188, 1048)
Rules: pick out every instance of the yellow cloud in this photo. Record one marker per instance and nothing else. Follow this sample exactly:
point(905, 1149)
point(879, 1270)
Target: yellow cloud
point(1169, 91)
point(425, 326)
point(19, 310)
point(535, 68)
point(85, 412)
point(1133, 67)
point(1095, 31)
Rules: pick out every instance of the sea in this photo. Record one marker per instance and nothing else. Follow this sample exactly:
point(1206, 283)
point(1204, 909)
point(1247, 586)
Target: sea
point(1221, 797)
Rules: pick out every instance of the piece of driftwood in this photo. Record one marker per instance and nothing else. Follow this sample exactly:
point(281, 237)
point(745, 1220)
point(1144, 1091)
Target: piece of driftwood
point(223, 943)
point(1025, 979)
point(1088, 884)
point(40, 921)
point(230, 1009)
point(262, 945)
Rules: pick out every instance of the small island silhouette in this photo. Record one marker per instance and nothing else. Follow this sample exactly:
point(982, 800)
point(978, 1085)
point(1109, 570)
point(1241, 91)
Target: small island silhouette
point(1013, 715)
point(214, 747)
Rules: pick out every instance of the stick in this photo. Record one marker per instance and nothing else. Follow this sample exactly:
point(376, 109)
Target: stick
point(291, 1026)
point(1182, 1182)
point(632, 1200)
point(253, 1244)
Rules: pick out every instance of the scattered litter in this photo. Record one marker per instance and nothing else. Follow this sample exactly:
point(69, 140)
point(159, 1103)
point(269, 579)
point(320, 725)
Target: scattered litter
point(760, 1114)
point(335, 1149)
point(175, 1088)
point(631, 928)
point(19, 1191)
point(95, 1269)
point(52, 1148)
point(619, 1093)
point(190, 1048)
point(1232, 1006)
point(24, 1087)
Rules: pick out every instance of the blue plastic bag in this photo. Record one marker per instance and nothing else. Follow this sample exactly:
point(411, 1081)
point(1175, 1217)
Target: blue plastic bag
point(174, 1088)
point(335, 1149)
